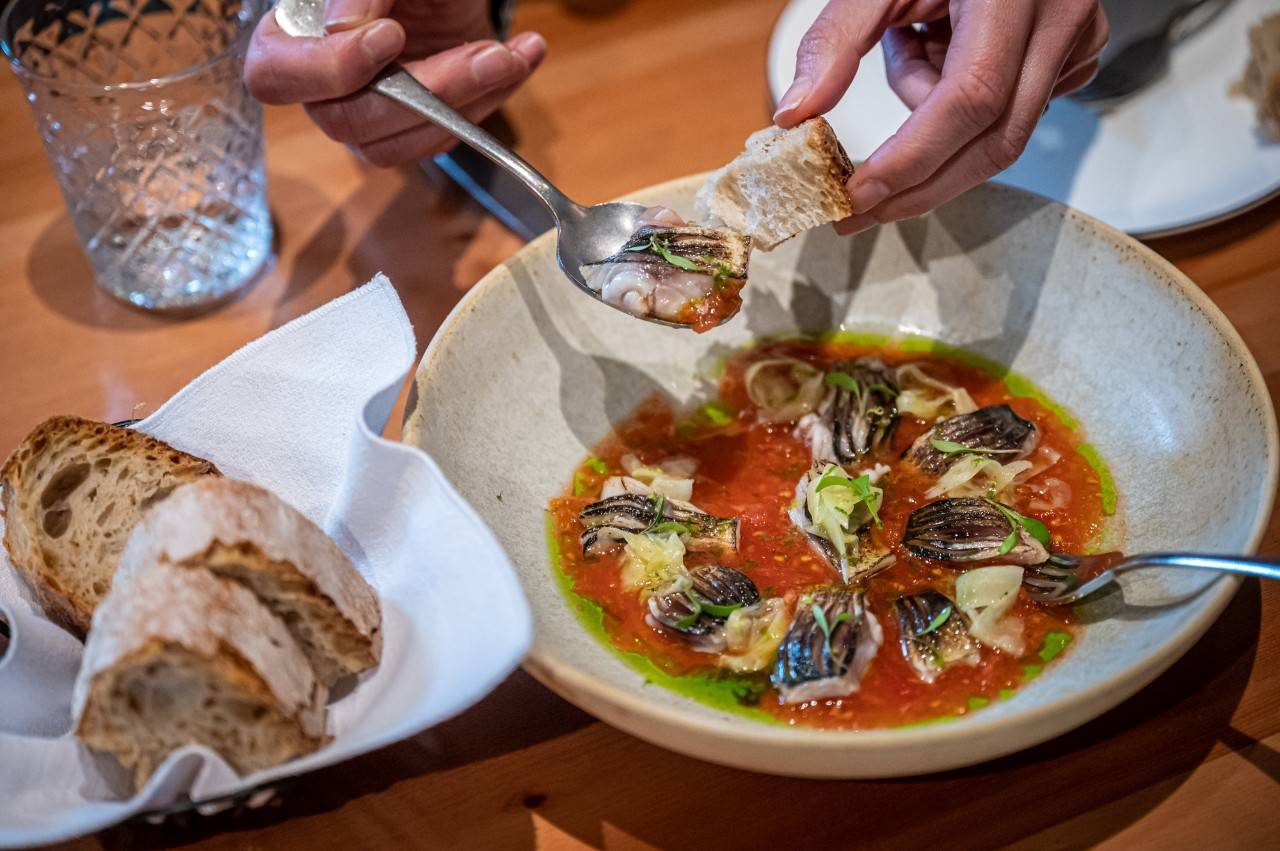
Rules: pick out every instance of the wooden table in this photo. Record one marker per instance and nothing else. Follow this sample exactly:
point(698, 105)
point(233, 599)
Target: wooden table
point(1191, 761)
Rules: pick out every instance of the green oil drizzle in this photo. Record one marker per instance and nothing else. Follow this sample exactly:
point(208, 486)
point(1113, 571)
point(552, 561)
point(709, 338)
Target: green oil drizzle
point(730, 694)
point(1107, 484)
point(1055, 641)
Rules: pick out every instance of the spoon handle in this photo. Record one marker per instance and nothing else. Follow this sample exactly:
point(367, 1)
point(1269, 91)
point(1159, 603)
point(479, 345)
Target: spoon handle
point(404, 89)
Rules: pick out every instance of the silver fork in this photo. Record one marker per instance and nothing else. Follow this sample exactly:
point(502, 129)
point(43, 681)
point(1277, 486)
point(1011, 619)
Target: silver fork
point(584, 234)
point(1056, 581)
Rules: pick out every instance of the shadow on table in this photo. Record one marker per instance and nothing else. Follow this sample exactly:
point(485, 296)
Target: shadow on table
point(1165, 730)
point(62, 278)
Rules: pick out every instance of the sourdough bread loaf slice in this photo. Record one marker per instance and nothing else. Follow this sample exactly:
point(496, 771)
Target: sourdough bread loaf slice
point(244, 533)
point(71, 493)
point(179, 657)
point(785, 182)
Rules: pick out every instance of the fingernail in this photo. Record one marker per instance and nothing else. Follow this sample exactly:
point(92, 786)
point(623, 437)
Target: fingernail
point(867, 194)
point(799, 89)
point(530, 44)
point(338, 25)
point(343, 15)
point(381, 41)
point(493, 65)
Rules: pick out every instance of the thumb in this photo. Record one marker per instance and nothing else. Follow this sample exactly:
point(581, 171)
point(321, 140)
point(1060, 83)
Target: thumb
point(828, 57)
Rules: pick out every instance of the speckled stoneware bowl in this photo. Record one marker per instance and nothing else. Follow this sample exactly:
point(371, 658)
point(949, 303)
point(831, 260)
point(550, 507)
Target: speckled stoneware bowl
point(527, 374)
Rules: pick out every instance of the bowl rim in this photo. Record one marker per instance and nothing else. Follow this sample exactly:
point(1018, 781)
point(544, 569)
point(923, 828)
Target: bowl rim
point(1107, 693)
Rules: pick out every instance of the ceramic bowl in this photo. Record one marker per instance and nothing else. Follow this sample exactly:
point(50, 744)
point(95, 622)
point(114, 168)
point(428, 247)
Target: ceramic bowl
point(526, 374)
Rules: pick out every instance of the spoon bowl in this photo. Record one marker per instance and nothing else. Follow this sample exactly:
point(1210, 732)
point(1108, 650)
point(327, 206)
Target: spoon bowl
point(583, 234)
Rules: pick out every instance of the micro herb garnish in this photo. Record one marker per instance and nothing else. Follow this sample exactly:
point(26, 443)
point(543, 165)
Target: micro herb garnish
point(581, 486)
point(663, 249)
point(717, 412)
point(670, 527)
point(862, 488)
point(599, 465)
point(716, 610)
point(882, 388)
point(938, 620)
point(659, 504)
point(820, 618)
point(1034, 527)
point(844, 381)
point(946, 447)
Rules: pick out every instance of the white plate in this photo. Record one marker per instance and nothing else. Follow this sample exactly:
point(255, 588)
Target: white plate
point(527, 373)
point(1180, 154)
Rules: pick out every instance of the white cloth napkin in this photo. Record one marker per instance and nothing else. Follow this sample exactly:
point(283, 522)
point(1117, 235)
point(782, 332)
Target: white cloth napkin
point(300, 412)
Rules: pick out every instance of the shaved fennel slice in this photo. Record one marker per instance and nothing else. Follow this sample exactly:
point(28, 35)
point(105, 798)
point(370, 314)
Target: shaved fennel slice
point(975, 475)
point(784, 389)
point(986, 595)
point(651, 561)
point(928, 398)
point(752, 635)
point(672, 477)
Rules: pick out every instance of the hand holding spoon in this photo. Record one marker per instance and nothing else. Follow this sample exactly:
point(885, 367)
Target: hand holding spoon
point(584, 234)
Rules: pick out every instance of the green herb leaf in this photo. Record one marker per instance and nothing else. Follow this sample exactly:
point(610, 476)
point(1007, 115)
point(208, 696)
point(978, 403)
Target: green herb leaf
point(938, 620)
point(659, 505)
point(718, 413)
point(1038, 530)
point(597, 465)
point(713, 609)
point(691, 618)
point(670, 527)
point(883, 388)
point(1030, 672)
point(844, 381)
point(820, 617)
point(976, 702)
point(1034, 527)
point(581, 486)
point(834, 479)
point(663, 249)
point(1009, 543)
point(862, 487)
point(946, 447)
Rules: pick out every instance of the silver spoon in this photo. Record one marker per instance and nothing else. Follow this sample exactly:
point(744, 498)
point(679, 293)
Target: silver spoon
point(1056, 583)
point(584, 234)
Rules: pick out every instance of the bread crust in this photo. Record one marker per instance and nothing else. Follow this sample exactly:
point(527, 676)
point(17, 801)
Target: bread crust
point(821, 138)
point(25, 511)
point(190, 618)
point(246, 533)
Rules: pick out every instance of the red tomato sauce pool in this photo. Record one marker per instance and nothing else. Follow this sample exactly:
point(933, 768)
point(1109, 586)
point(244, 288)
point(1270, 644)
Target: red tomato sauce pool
point(748, 469)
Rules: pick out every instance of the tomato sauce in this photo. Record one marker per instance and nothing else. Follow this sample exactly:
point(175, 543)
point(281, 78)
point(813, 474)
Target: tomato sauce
point(748, 469)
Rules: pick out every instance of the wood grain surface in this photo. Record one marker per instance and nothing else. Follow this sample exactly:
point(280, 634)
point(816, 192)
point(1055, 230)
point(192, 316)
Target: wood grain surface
point(632, 93)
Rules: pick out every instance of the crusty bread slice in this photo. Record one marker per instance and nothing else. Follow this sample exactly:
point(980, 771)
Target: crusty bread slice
point(785, 182)
point(71, 493)
point(247, 534)
point(179, 657)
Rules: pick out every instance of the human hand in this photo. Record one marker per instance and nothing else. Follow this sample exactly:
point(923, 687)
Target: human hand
point(977, 77)
point(448, 45)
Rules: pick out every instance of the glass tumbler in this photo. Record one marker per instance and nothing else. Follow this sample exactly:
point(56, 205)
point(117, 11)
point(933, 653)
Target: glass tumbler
point(155, 142)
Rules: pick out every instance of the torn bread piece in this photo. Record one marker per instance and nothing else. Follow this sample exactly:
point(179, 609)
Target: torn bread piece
point(71, 493)
point(179, 657)
point(244, 533)
point(785, 182)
